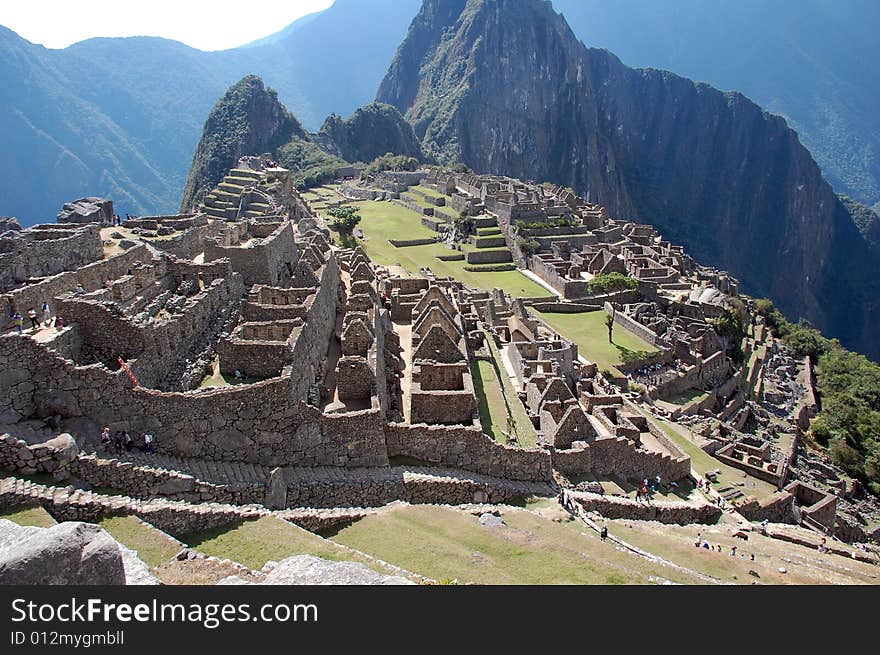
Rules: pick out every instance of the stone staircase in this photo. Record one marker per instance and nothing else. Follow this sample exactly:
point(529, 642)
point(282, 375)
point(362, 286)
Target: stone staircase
point(193, 479)
point(174, 517)
point(229, 199)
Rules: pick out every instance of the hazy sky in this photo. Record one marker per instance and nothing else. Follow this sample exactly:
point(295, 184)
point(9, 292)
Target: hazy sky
point(203, 24)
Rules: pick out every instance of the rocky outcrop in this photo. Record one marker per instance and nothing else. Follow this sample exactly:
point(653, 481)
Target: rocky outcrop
point(9, 224)
point(65, 554)
point(87, 210)
point(247, 120)
point(506, 87)
point(372, 131)
point(310, 570)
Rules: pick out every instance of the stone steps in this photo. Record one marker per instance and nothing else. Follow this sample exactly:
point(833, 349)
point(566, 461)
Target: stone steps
point(245, 483)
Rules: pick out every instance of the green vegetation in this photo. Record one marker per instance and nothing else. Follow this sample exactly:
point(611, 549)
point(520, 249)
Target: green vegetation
point(701, 462)
point(528, 247)
point(446, 544)
point(848, 426)
point(234, 129)
point(152, 545)
point(384, 220)
point(612, 282)
point(391, 162)
point(589, 331)
point(493, 410)
point(520, 422)
point(375, 133)
point(35, 516)
point(562, 221)
point(253, 543)
point(344, 221)
point(309, 165)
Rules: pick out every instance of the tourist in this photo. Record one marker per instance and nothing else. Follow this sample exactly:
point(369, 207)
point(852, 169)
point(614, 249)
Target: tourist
point(733, 551)
point(118, 441)
point(105, 439)
point(32, 315)
point(148, 443)
point(127, 441)
point(603, 535)
point(59, 324)
point(79, 290)
point(18, 322)
point(47, 314)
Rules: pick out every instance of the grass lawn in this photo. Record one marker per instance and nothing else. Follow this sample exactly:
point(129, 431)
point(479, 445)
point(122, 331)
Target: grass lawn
point(253, 543)
point(152, 546)
point(525, 430)
point(701, 461)
point(382, 221)
point(446, 544)
point(33, 516)
point(804, 565)
point(589, 332)
point(217, 379)
point(493, 411)
point(687, 396)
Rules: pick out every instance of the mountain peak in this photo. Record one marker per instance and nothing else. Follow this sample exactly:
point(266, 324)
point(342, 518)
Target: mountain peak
point(248, 120)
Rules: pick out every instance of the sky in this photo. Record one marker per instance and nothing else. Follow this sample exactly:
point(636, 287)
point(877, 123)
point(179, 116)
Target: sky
point(203, 24)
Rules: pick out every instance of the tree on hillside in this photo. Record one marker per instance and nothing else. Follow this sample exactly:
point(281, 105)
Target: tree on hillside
point(344, 221)
point(609, 323)
point(612, 283)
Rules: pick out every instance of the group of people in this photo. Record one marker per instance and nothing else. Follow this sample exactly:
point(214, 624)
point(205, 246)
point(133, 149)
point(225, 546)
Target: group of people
point(647, 489)
point(653, 375)
point(42, 318)
point(121, 440)
point(702, 543)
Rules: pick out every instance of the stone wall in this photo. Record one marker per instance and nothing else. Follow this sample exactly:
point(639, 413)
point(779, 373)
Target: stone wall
point(269, 262)
point(91, 277)
point(618, 456)
point(18, 456)
point(46, 250)
point(467, 448)
point(488, 256)
point(777, 508)
point(613, 507)
point(259, 423)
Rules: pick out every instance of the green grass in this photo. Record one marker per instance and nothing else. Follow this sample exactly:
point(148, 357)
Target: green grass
point(382, 221)
point(152, 546)
point(446, 544)
point(32, 516)
point(687, 396)
point(493, 411)
point(217, 379)
point(253, 543)
point(524, 428)
point(701, 462)
point(589, 332)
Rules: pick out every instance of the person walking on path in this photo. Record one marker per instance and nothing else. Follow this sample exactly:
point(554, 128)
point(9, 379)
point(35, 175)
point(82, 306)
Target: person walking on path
point(32, 315)
point(18, 322)
point(46, 314)
point(148, 443)
point(604, 533)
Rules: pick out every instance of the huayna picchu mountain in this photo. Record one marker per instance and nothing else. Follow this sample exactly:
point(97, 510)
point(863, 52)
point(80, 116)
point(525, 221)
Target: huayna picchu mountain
point(247, 120)
point(505, 87)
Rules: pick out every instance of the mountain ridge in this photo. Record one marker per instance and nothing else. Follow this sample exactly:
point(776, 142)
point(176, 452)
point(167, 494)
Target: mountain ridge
point(709, 169)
